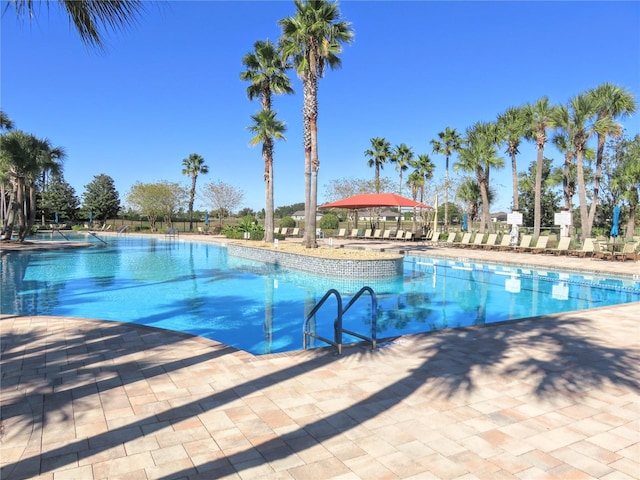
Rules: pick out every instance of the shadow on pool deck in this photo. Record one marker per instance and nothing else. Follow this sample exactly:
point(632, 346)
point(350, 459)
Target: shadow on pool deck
point(101, 400)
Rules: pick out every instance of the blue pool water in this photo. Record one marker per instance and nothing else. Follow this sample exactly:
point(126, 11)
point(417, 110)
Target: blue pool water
point(197, 288)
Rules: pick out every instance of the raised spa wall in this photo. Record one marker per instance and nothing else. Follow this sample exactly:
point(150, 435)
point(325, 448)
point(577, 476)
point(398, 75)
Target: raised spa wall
point(334, 267)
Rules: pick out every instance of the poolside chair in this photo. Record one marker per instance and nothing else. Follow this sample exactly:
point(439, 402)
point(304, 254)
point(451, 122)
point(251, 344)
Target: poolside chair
point(435, 238)
point(525, 243)
point(276, 230)
point(540, 245)
point(386, 235)
point(399, 235)
point(628, 251)
point(586, 250)
point(491, 241)
point(354, 233)
point(477, 241)
point(450, 240)
point(599, 253)
point(367, 234)
point(466, 238)
point(342, 232)
point(295, 232)
point(408, 236)
point(200, 231)
point(505, 243)
point(377, 234)
point(563, 247)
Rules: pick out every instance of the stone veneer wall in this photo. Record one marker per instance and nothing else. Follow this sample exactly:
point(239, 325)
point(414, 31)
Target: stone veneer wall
point(379, 268)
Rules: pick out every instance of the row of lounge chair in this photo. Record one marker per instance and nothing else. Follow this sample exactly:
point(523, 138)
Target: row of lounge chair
point(590, 247)
point(369, 234)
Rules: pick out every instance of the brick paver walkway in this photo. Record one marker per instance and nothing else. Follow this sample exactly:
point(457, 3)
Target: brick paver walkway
point(551, 397)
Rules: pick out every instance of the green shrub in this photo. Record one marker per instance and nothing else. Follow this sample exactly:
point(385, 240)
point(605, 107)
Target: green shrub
point(329, 222)
point(247, 224)
point(287, 222)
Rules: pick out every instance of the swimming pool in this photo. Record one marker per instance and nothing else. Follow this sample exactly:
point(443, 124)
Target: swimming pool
point(198, 288)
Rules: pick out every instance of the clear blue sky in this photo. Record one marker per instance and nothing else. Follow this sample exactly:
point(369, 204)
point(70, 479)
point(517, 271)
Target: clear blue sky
point(170, 86)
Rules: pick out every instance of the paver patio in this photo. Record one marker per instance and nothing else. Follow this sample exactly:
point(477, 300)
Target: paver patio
point(549, 397)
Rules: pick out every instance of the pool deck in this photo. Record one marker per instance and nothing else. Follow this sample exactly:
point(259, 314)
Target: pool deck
point(552, 397)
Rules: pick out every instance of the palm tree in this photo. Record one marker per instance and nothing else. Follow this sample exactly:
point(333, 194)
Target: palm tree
point(469, 192)
point(582, 110)
point(193, 166)
point(539, 117)
point(512, 128)
point(379, 154)
point(267, 128)
point(423, 171)
point(5, 121)
point(402, 156)
point(267, 73)
point(425, 167)
point(90, 17)
point(564, 140)
point(478, 155)
point(612, 102)
point(23, 158)
point(313, 38)
point(448, 142)
point(266, 70)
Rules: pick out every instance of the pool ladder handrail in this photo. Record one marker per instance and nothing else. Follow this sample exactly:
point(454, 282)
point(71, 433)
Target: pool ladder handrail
point(338, 329)
point(93, 234)
point(63, 235)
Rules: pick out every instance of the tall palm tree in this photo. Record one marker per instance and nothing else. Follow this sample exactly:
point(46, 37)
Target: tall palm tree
point(402, 156)
point(312, 39)
point(267, 129)
point(512, 128)
point(582, 110)
point(193, 166)
point(448, 142)
point(379, 154)
point(612, 102)
point(91, 18)
point(564, 142)
point(478, 155)
point(266, 71)
point(539, 118)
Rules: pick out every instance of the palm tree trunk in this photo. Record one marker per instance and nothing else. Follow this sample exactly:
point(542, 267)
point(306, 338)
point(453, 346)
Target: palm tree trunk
point(268, 214)
point(312, 112)
point(9, 220)
point(631, 223)
point(191, 201)
point(582, 195)
point(315, 166)
point(537, 207)
point(596, 181)
point(514, 181)
point(31, 218)
point(483, 181)
point(20, 206)
point(446, 192)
